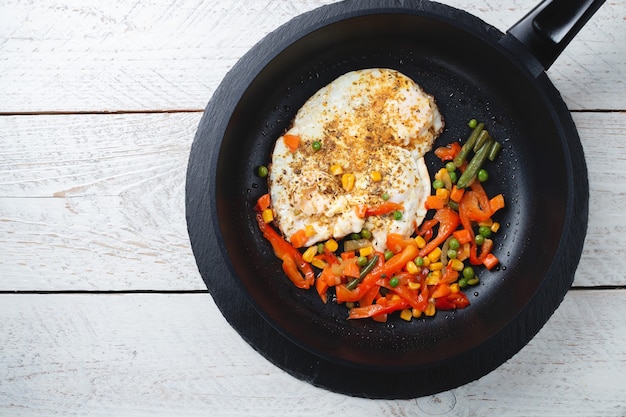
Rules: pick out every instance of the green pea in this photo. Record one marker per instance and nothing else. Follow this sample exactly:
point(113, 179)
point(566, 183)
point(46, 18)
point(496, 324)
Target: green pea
point(472, 123)
point(463, 283)
point(482, 175)
point(454, 177)
point(388, 255)
point(473, 281)
point(450, 167)
point(317, 145)
point(479, 239)
point(262, 171)
point(386, 196)
point(320, 248)
point(437, 184)
point(453, 243)
point(468, 273)
point(361, 261)
point(451, 253)
point(366, 234)
point(484, 231)
point(419, 261)
point(355, 236)
point(397, 215)
point(394, 282)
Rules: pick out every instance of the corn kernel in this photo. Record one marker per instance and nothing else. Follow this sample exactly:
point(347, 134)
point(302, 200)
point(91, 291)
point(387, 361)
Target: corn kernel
point(331, 245)
point(376, 176)
point(268, 215)
point(336, 169)
point(456, 265)
point(366, 251)
point(430, 309)
point(318, 263)
point(309, 254)
point(487, 223)
point(420, 242)
point(495, 227)
point(426, 261)
point(411, 268)
point(436, 266)
point(417, 313)
point(455, 288)
point(309, 230)
point(432, 280)
point(443, 193)
point(414, 285)
point(347, 181)
point(406, 314)
point(435, 254)
point(395, 298)
point(437, 274)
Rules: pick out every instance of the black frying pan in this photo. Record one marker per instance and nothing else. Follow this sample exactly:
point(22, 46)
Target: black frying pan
point(474, 71)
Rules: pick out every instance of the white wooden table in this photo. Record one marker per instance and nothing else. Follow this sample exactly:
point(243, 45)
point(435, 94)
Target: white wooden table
point(102, 309)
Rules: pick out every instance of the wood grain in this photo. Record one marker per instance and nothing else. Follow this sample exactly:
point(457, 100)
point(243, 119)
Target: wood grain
point(151, 354)
point(89, 56)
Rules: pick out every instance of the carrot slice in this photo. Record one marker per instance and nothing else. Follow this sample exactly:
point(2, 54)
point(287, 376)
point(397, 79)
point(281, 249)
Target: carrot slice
point(263, 202)
point(292, 142)
point(434, 203)
point(299, 238)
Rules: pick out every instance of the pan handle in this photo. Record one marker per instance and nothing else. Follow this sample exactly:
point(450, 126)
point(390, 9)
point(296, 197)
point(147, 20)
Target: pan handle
point(547, 29)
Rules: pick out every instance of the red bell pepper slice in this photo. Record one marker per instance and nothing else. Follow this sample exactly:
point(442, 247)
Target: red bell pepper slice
point(448, 222)
point(293, 263)
point(452, 301)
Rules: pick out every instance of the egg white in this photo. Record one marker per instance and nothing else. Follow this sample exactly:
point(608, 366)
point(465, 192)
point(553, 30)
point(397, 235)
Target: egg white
point(371, 120)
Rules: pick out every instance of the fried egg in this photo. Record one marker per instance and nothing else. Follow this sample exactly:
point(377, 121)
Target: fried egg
point(360, 143)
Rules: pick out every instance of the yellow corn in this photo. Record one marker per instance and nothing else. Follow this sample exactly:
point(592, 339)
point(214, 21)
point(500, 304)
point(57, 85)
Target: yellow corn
point(411, 268)
point(436, 266)
point(331, 245)
point(336, 169)
point(495, 227)
point(414, 285)
point(487, 223)
point(433, 278)
point(318, 263)
point(456, 265)
point(347, 181)
point(406, 314)
point(376, 176)
point(309, 230)
point(420, 242)
point(395, 298)
point(309, 254)
point(268, 215)
point(417, 313)
point(426, 261)
point(443, 193)
point(430, 309)
point(455, 288)
point(366, 251)
point(435, 254)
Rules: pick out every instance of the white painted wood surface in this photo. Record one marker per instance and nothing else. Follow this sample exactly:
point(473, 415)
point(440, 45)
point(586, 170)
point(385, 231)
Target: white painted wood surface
point(99, 104)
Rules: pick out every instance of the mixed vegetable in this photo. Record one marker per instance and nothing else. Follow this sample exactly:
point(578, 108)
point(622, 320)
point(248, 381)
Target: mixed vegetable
point(415, 276)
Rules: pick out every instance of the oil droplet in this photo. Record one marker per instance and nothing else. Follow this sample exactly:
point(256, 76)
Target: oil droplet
point(475, 293)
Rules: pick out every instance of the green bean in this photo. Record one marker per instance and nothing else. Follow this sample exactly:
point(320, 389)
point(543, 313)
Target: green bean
point(366, 270)
point(468, 146)
point(495, 149)
point(482, 139)
point(474, 166)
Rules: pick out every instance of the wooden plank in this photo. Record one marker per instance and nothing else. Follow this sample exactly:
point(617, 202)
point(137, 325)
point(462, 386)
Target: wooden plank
point(156, 354)
point(96, 202)
point(58, 57)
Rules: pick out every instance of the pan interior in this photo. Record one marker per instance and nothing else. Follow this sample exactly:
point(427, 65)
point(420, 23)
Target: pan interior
point(470, 78)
